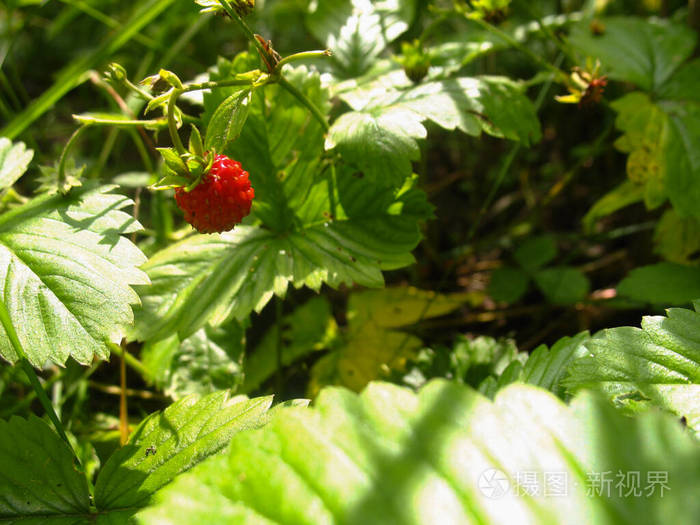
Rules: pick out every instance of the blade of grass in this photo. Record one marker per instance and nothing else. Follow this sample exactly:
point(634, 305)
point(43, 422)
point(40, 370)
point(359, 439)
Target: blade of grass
point(78, 71)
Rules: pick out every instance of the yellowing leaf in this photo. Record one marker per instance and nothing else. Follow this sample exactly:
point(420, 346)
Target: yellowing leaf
point(646, 131)
point(372, 349)
point(677, 238)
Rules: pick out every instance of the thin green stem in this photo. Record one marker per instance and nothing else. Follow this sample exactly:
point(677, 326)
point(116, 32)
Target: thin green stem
point(88, 120)
point(305, 101)
point(561, 44)
point(31, 375)
point(279, 379)
point(246, 29)
point(214, 84)
point(560, 75)
point(304, 55)
point(172, 125)
point(134, 363)
point(138, 90)
point(515, 149)
point(64, 154)
point(264, 53)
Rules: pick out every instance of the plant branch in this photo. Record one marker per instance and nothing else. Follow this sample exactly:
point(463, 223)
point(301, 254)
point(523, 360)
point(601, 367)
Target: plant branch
point(304, 55)
point(305, 101)
point(560, 75)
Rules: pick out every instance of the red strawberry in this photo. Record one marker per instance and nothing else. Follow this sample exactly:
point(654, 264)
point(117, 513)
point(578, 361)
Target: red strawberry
point(220, 200)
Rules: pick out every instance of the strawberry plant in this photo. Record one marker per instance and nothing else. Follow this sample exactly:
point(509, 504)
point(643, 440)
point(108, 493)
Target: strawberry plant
point(349, 261)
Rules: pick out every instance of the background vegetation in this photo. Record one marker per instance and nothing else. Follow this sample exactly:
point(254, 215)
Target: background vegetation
point(496, 192)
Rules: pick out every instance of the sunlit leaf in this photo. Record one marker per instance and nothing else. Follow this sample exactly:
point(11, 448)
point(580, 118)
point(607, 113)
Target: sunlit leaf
point(14, 159)
point(169, 443)
point(658, 364)
point(67, 273)
point(631, 49)
point(391, 456)
point(40, 483)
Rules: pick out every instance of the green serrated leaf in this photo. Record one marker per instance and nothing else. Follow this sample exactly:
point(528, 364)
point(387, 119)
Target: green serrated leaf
point(358, 31)
point(536, 252)
point(380, 137)
point(391, 456)
point(372, 347)
point(683, 157)
point(562, 285)
point(40, 482)
point(208, 360)
point(662, 283)
point(66, 271)
point(14, 159)
point(228, 120)
point(543, 367)
point(619, 197)
point(658, 364)
point(347, 236)
point(646, 134)
point(381, 144)
point(508, 284)
point(677, 239)
point(631, 49)
point(169, 443)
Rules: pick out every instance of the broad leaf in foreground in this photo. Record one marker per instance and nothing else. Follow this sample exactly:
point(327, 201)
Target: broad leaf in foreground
point(39, 482)
point(347, 232)
point(658, 364)
point(66, 272)
point(446, 455)
point(169, 443)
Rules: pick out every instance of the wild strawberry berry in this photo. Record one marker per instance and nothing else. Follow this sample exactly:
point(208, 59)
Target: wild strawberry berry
point(220, 200)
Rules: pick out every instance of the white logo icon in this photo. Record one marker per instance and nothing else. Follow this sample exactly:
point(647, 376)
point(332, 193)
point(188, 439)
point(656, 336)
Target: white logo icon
point(493, 483)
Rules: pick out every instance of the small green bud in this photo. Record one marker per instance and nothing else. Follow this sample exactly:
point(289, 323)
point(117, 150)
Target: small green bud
point(115, 74)
point(414, 60)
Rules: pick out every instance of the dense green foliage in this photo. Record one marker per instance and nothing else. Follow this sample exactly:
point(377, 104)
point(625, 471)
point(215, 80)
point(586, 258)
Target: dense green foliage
point(462, 211)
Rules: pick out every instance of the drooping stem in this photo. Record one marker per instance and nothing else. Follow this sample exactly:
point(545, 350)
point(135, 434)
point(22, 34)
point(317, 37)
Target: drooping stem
point(31, 375)
point(172, 125)
point(64, 154)
point(304, 55)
